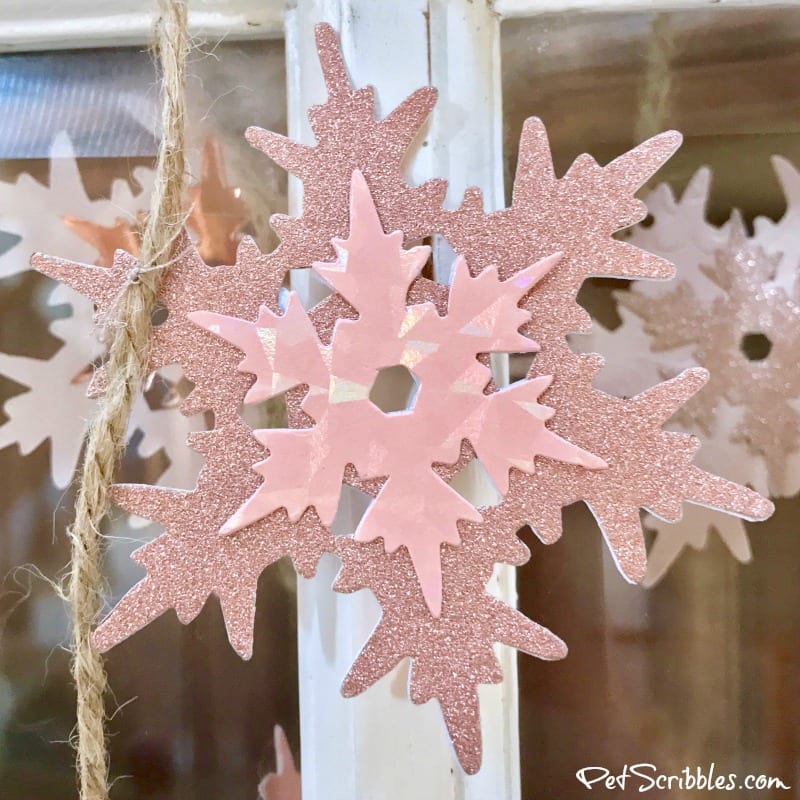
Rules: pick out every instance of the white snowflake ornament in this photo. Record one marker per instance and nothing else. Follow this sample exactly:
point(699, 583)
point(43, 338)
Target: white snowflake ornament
point(735, 310)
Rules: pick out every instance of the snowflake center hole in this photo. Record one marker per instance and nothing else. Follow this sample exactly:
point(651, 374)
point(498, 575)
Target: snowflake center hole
point(756, 346)
point(394, 389)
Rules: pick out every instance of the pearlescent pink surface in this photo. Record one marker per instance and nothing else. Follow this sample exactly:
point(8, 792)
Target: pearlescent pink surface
point(415, 508)
point(575, 216)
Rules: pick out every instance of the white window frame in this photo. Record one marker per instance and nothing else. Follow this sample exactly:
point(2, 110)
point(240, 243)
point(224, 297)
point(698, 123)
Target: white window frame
point(27, 25)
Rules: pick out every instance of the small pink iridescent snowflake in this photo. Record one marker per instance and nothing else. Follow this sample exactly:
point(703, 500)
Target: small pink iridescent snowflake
point(416, 507)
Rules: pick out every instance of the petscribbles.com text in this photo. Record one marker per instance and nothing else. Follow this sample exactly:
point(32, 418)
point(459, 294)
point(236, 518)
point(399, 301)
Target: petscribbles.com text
point(646, 777)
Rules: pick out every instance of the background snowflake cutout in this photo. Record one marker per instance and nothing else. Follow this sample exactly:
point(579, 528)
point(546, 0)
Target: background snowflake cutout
point(733, 308)
point(34, 212)
point(579, 443)
point(93, 231)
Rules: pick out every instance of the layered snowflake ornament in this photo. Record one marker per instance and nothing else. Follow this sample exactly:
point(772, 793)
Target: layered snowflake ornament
point(549, 440)
point(735, 308)
point(415, 508)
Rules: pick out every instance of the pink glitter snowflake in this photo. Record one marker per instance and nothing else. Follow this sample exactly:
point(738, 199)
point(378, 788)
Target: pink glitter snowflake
point(547, 441)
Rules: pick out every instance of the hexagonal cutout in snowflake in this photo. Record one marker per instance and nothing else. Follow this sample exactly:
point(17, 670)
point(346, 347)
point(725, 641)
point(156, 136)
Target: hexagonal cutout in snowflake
point(394, 389)
point(755, 345)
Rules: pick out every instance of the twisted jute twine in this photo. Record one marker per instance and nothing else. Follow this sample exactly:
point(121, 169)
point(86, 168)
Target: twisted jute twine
point(125, 369)
point(654, 95)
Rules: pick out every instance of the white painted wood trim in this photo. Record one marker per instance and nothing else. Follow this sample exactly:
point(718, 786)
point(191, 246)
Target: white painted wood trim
point(27, 25)
point(379, 745)
point(509, 9)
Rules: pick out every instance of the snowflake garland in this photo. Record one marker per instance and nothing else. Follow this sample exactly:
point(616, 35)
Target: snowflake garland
point(736, 310)
point(515, 283)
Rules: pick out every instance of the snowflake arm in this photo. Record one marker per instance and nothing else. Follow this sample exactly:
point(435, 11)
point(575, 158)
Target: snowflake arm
point(375, 147)
point(597, 201)
point(647, 468)
point(281, 350)
point(293, 478)
point(102, 285)
point(354, 278)
point(422, 526)
point(190, 560)
point(517, 408)
point(468, 616)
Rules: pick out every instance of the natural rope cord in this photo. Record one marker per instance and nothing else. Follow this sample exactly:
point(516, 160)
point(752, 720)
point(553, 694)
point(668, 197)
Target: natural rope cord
point(654, 96)
point(125, 370)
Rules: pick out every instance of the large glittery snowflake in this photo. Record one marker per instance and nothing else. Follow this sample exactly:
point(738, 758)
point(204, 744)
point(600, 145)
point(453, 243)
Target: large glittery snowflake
point(547, 441)
point(735, 310)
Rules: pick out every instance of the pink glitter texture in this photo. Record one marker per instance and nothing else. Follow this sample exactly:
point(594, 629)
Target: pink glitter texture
point(431, 582)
